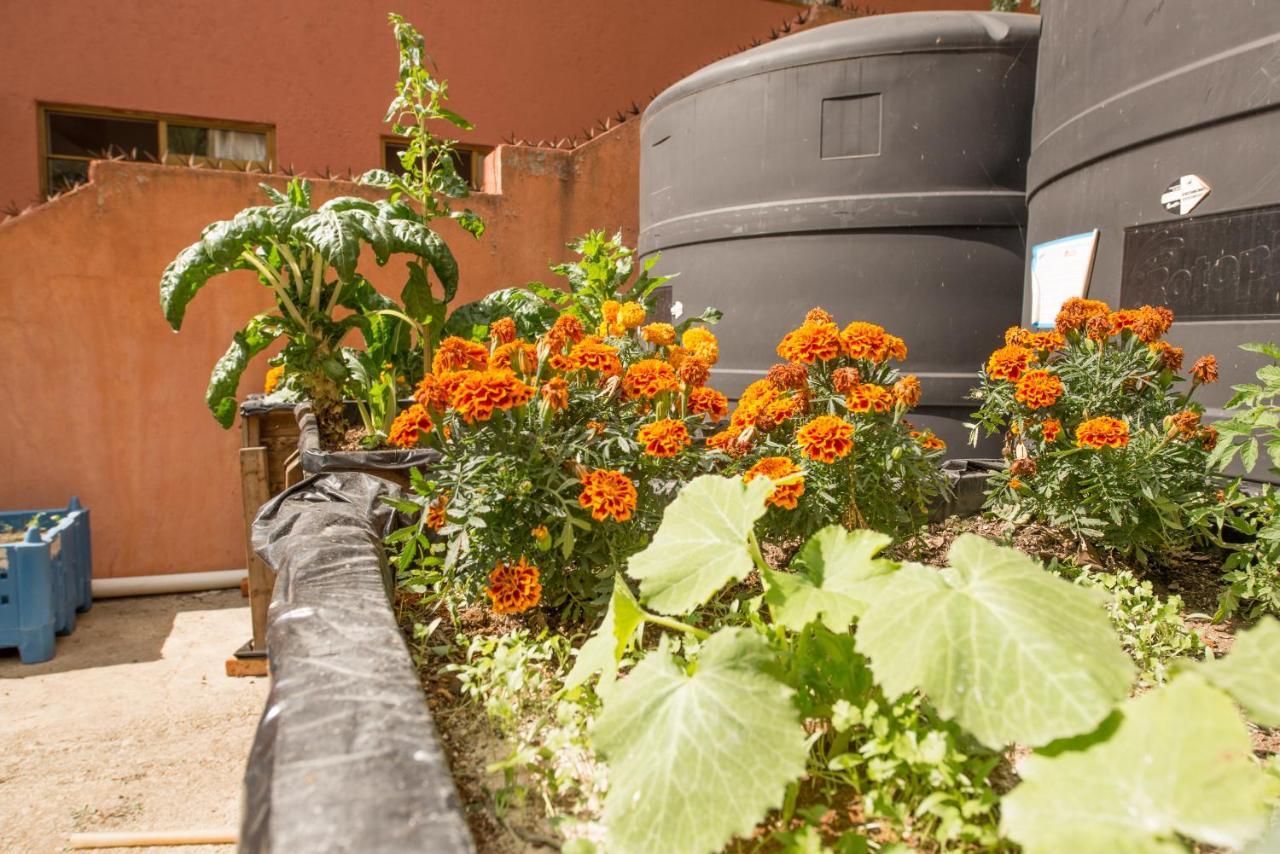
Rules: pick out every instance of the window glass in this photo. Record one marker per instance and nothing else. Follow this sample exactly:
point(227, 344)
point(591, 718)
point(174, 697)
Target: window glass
point(463, 161)
point(216, 143)
point(65, 174)
point(97, 136)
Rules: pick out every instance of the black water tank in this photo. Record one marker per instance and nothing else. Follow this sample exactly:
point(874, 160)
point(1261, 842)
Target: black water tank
point(1131, 99)
point(874, 167)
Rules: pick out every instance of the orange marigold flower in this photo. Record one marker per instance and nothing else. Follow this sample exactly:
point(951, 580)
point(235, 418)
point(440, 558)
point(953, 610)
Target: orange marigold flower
point(607, 493)
point(705, 400)
point(895, 347)
point(1102, 432)
point(819, 315)
point(1045, 342)
point(1098, 328)
point(868, 397)
point(1026, 466)
point(1124, 320)
point(459, 354)
point(1205, 370)
point(481, 392)
point(1169, 356)
point(514, 587)
point(630, 315)
point(811, 342)
point(753, 401)
point(1185, 424)
point(825, 438)
point(566, 330)
point(1052, 429)
point(701, 343)
point(1014, 483)
point(844, 379)
point(659, 334)
point(516, 356)
point(789, 376)
point(609, 310)
point(502, 331)
point(592, 354)
point(555, 392)
point(664, 438)
point(436, 515)
point(1038, 389)
point(780, 409)
point(648, 378)
point(729, 441)
point(409, 425)
point(272, 382)
point(863, 340)
point(693, 372)
point(596, 427)
point(1017, 335)
point(787, 477)
point(1076, 312)
point(1209, 438)
point(1149, 324)
point(907, 391)
point(1009, 362)
point(928, 440)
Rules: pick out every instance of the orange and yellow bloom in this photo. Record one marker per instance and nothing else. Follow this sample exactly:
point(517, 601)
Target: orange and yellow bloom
point(459, 354)
point(810, 343)
point(664, 438)
point(1102, 432)
point(409, 425)
point(787, 477)
point(479, 393)
point(608, 494)
point(826, 438)
point(1009, 362)
point(1038, 389)
point(514, 587)
point(648, 378)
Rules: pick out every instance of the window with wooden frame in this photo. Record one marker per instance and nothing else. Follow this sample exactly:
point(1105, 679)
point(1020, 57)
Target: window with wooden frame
point(70, 137)
point(468, 160)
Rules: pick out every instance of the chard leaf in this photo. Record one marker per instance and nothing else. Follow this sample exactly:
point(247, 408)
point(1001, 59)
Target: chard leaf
point(603, 650)
point(1179, 763)
point(256, 336)
point(336, 236)
point(1011, 651)
point(696, 759)
point(185, 275)
point(1250, 673)
point(701, 544)
point(830, 567)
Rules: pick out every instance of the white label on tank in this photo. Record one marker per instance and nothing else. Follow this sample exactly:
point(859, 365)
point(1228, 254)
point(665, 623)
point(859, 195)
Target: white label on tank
point(1060, 269)
point(1184, 194)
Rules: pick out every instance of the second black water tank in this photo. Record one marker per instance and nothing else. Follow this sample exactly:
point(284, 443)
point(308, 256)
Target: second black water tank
point(874, 167)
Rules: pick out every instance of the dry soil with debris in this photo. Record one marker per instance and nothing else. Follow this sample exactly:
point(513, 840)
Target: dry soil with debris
point(133, 725)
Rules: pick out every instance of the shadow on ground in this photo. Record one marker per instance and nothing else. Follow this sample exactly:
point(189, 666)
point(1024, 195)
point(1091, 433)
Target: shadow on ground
point(120, 631)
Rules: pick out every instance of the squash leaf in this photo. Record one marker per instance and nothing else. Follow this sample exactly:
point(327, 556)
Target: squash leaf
point(1179, 763)
point(1011, 651)
point(603, 650)
point(696, 759)
point(1250, 673)
point(830, 567)
point(701, 544)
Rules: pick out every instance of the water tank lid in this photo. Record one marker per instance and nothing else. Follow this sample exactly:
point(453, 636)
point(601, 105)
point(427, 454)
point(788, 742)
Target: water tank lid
point(876, 35)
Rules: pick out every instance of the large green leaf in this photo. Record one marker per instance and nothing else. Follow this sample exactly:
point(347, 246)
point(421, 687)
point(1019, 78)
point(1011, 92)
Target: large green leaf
point(471, 320)
point(1179, 763)
point(604, 650)
point(1012, 652)
point(829, 569)
point(408, 235)
point(336, 236)
point(1251, 671)
point(701, 544)
point(225, 240)
point(257, 334)
point(185, 275)
point(696, 759)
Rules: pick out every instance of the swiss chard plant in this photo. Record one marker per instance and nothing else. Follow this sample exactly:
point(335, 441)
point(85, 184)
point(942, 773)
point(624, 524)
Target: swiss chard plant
point(308, 259)
point(722, 722)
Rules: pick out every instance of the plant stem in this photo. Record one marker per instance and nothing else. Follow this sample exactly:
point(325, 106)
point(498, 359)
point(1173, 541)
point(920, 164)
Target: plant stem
point(278, 286)
point(675, 626)
point(317, 281)
point(756, 555)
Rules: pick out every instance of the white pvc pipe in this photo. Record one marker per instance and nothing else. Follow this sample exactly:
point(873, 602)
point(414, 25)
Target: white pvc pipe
point(182, 582)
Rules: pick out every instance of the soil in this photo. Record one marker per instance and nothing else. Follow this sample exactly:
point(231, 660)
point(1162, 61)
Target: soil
point(132, 726)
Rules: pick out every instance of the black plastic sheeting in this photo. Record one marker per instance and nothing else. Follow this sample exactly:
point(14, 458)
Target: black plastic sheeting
point(968, 479)
point(318, 461)
point(346, 756)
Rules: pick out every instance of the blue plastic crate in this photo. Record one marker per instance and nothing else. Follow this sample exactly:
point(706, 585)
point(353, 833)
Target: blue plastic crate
point(45, 579)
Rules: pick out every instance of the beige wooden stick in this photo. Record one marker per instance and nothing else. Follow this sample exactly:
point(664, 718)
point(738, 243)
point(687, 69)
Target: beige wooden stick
point(137, 839)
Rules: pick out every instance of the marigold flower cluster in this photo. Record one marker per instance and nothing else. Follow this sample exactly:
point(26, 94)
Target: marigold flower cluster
point(825, 439)
point(409, 426)
point(664, 438)
point(514, 587)
point(1102, 432)
point(608, 494)
point(648, 378)
point(787, 477)
point(479, 393)
point(1038, 389)
point(1009, 362)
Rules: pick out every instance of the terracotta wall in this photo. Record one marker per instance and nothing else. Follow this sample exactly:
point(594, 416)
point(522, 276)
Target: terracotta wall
point(105, 402)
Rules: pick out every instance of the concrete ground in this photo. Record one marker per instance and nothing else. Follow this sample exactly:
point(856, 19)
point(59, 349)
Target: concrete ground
point(132, 726)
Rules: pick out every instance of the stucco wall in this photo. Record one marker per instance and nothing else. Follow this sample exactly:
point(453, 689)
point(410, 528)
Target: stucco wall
point(105, 402)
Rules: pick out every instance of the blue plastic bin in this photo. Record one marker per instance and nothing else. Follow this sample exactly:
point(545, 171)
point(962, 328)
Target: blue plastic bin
point(44, 580)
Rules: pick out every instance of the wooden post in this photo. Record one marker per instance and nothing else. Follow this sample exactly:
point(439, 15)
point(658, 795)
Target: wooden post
point(256, 492)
